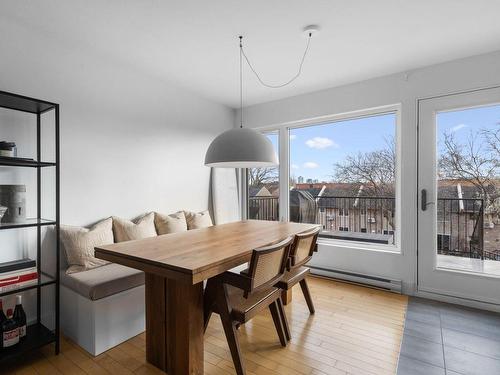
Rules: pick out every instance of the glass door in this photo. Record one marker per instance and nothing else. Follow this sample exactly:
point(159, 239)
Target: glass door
point(459, 195)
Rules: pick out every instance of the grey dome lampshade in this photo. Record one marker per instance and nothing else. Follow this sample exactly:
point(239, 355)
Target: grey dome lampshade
point(241, 148)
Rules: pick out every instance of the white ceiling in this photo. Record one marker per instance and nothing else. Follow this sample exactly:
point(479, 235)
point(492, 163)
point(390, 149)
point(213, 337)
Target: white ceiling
point(194, 43)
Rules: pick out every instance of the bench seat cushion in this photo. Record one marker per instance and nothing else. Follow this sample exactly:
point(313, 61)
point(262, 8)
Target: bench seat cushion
point(103, 281)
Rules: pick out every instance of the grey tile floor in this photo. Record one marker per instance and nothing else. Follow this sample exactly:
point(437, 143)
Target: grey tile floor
point(445, 339)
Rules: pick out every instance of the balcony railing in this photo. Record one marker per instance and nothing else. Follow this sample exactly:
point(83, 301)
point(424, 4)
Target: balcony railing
point(263, 208)
point(365, 219)
point(460, 224)
point(460, 228)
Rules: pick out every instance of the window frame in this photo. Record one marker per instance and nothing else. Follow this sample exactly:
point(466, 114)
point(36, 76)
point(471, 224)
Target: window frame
point(283, 130)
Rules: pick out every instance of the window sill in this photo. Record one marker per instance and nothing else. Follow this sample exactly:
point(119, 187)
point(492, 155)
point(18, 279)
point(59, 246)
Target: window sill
point(363, 246)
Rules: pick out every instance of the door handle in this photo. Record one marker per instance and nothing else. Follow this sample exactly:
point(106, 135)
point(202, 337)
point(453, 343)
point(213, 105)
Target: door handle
point(423, 200)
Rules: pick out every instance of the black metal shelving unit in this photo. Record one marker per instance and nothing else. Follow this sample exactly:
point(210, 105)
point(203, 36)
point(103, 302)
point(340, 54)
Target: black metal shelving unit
point(38, 334)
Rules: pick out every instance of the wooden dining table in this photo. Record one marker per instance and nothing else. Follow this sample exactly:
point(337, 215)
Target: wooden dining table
point(175, 267)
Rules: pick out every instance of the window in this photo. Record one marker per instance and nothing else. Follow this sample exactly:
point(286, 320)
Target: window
point(343, 212)
point(263, 189)
point(346, 166)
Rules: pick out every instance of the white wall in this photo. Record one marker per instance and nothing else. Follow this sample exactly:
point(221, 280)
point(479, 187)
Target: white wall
point(403, 88)
point(130, 143)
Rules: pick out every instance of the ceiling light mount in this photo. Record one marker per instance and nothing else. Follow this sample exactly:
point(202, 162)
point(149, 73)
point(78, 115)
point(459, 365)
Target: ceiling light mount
point(311, 30)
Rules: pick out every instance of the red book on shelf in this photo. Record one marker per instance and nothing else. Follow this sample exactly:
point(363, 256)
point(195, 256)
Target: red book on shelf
point(19, 279)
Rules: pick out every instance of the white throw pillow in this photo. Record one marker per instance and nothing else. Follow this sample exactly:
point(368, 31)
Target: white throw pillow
point(79, 244)
point(172, 223)
point(198, 220)
point(126, 230)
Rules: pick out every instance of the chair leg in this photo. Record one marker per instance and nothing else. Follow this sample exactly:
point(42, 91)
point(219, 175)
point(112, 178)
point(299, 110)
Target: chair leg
point(230, 329)
point(273, 307)
point(307, 295)
point(284, 320)
point(208, 302)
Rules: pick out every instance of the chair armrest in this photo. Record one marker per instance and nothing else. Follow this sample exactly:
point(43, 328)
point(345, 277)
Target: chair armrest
point(239, 281)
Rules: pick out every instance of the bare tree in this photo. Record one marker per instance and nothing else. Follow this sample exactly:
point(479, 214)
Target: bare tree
point(475, 160)
point(259, 177)
point(374, 170)
point(492, 138)
point(374, 173)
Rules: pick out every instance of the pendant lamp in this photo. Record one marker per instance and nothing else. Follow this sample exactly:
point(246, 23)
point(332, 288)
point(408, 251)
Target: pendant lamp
point(244, 147)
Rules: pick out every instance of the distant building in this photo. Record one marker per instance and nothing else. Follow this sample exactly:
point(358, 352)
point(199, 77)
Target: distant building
point(309, 180)
point(300, 179)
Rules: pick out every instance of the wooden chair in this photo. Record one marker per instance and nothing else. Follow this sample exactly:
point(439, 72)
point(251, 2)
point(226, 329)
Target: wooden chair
point(303, 247)
point(237, 298)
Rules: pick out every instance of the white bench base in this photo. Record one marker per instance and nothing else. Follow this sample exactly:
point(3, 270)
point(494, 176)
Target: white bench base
point(100, 325)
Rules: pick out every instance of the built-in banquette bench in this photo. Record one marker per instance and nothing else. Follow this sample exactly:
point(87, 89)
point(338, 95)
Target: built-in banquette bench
point(102, 304)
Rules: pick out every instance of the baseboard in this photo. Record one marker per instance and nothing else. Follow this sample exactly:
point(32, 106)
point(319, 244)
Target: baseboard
point(457, 300)
point(378, 282)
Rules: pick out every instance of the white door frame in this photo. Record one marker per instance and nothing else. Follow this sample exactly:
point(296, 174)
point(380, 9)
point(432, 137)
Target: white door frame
point(432, 281)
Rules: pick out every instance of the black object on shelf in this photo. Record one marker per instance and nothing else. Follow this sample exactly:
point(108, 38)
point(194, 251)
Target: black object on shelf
point(37, 334)
point(20, 317)
point(17, 265)
point(8, 149)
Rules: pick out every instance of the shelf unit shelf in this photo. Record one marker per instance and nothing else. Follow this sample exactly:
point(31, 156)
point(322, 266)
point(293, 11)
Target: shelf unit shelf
point(34, 222)
point(43, 280)
point(20, 162)
point(37, 334)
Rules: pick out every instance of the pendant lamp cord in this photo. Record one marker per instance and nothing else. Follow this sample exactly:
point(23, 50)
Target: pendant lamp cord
point(299, 71)
point(241, 81)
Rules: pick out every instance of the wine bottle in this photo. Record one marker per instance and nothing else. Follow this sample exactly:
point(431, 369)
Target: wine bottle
point(10, 331)
point(20, 317)
point(3, 318)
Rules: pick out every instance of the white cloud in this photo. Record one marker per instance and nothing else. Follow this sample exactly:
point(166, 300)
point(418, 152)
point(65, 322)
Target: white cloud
point(457, 127)
point(292, 137)
point(310, 165)
point(320, 143)
point(295, 166)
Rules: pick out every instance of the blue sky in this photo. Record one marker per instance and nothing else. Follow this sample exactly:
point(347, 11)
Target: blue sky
point(314, 149)
point(464, 122)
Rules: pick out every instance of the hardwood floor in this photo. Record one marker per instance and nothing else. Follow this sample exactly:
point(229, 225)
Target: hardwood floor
point(355, 330)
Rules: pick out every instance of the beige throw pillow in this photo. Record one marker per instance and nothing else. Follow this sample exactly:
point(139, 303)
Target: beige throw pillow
point(126, 230)
point(79, 244)
point(198, 220)
point(172, 223)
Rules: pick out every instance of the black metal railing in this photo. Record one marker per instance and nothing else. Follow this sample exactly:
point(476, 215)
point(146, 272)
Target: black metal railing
point(460, 222)
point(460, 227)
point(263, 208)
point(366, 219)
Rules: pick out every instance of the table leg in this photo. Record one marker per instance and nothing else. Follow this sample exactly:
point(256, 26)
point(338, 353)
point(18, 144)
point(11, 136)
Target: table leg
point(286, 296)
point(174, 325)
